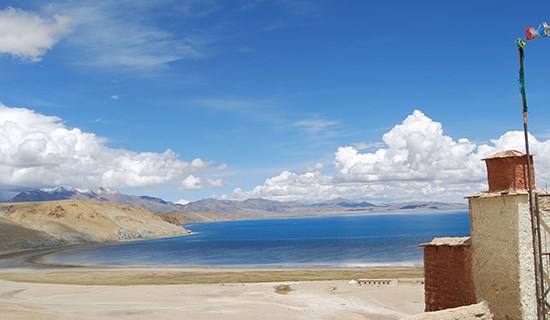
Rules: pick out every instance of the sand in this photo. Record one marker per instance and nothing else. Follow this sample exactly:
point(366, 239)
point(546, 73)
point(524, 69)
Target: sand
point(306, 300)
point(29, 290)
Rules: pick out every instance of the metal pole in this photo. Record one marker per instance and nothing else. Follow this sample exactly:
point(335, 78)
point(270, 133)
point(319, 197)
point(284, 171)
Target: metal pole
point(535, 221)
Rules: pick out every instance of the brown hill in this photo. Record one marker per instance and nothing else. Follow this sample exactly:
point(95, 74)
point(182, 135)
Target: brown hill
point(14, 237)
point(28, 225)
point(185, 217)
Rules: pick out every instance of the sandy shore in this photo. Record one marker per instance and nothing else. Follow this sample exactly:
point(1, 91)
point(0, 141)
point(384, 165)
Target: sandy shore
point(29, 290)
point(307, 300)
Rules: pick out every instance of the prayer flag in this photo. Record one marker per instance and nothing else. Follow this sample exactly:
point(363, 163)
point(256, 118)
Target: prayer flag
point(542, 31)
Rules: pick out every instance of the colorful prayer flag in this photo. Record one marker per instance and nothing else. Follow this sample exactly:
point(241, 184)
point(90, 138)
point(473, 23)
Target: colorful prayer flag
point(542, 31)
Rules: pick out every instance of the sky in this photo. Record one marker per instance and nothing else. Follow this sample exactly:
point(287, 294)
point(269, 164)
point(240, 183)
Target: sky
point(278, 99)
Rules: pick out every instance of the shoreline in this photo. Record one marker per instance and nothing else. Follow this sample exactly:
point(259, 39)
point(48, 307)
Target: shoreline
point(326, 214)
point(33, 290)
point(28, 266)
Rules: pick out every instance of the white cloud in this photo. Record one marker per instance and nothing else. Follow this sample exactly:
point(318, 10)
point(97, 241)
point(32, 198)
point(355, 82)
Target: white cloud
point(416, 150)
point(417, 162)
point(314, 126)
point(28, 36)
point(215, 182)
point(192, 183)
point(121, 34)
point(317, 167)
point(367, 145)
point(289, 186)
point(39, 151)
point(198, 164)
point(115, 97)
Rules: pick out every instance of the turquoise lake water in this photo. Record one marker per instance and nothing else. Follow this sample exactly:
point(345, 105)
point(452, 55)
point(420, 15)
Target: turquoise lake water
point(342, 241)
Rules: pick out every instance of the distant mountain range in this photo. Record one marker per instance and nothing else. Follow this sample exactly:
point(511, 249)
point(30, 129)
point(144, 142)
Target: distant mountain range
point(156, 205)
point(231, 209)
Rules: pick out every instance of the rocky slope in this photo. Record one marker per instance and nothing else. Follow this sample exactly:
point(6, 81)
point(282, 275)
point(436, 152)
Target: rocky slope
point(29, 225)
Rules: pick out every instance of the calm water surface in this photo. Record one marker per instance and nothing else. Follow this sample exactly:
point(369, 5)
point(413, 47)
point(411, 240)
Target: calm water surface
point(344, 241)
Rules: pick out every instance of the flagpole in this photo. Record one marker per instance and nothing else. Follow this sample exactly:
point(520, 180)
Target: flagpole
point(535, 219)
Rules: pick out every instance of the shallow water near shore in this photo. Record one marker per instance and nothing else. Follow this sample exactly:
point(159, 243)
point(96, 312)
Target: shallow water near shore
point(313, 242)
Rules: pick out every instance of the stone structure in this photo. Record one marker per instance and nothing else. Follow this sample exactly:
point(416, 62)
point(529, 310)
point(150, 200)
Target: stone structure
point(497, 266)
point(508, 170)
point(501, 239)
point(447, 273)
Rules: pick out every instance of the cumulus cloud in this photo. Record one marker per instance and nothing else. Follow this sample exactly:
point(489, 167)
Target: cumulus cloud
point(191, 183)
point(416, 162)
point(367, 145)
point(39, 151)
point(198, 164)
point(27, 36)
point(289, 186)
point(416, 150)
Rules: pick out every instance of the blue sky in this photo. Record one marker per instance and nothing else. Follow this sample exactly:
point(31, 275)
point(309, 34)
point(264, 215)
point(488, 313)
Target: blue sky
point(285, 100)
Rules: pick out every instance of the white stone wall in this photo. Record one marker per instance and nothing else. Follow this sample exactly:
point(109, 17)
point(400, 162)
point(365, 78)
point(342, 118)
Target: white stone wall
point(544, 210)
point(502, 254)
point(478, 311)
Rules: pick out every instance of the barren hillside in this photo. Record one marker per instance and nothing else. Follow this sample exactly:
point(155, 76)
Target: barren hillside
point(77, 221)
point(185, 217)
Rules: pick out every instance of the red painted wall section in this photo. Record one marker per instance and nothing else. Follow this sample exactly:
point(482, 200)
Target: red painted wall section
point(507, 171)
point(448, 275)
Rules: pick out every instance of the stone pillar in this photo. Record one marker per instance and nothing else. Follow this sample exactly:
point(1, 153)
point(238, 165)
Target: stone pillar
point(501, 239)
point(448, 274)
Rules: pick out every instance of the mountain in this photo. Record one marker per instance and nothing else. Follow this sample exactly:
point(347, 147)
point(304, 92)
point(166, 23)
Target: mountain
point(30, 225)
point(156, 205)
point(69, 193)
point(413, 205)
point(345, 203)
point(246, 207)
point(262, 208)
point(207, 210)
point(60, 193)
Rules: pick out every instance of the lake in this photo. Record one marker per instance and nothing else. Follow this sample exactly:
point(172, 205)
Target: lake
point(313, 242)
